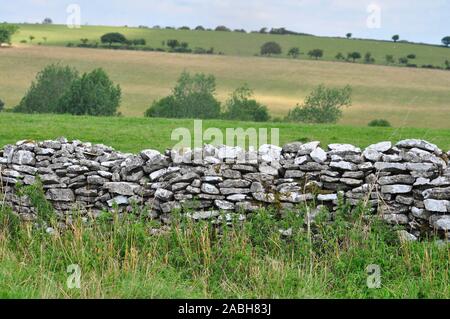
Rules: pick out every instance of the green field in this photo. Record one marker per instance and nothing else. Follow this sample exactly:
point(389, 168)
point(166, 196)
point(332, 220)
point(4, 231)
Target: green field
point(135, 134)
point(406, 97)
point(238, 44)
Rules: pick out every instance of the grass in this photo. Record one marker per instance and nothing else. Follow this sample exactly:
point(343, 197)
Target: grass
point(135, 134)
point(118, 259)
point(403, 96)
point(237, 44)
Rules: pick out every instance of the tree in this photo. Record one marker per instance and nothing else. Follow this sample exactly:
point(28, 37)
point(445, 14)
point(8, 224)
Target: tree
point(390, 59)
point(323, 105)
point(46, 90)
point(354, 56)
point(31, 37)
point(368, 58)
point(263, 30)
point(173, 44)
point(340, 56)
point(240, 106)
point(349, 35)
point(199, 28)
point(84, 41)
point(396, 38)
point(47, 21)
point(446, 41)
point(113, 37)
point(6, 32)
point(403, 60)
point(192, 97)
point(294, 53)
point(316, 53)
point(2, 105)
point(270, 48)
point(222, 28)
point(92, 94)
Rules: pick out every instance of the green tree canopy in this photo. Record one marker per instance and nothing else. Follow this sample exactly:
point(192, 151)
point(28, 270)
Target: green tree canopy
point(113, 37)
point(270, 48)
point(46, 90)
point(92, 94)
point(323, 105)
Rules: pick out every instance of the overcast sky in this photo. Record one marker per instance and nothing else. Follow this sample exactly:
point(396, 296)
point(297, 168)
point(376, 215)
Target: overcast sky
point(415, 20)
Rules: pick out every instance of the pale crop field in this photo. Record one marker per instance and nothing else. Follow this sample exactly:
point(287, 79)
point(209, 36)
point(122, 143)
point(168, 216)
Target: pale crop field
point(406, 97)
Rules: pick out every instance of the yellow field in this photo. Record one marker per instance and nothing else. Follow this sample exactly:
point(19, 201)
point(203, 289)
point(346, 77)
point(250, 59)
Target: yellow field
point(404, 96)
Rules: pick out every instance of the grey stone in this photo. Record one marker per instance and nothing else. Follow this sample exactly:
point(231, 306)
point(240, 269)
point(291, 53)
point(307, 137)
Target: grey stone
point(23, 158)
point(396, 189)
point(292, 147)
point(440, 206)
point(121, 188)
point(118, 200)
point(60, 195)
point(319, 155)
point(163, 194)
point(235, 183)
point(421, 144)
point(224, 205)
point(397, 179)
point(346, 166)
point(210, 189)
point(442, 223)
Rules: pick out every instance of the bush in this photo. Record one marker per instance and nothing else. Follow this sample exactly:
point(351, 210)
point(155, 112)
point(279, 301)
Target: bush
point(240, 106)
point(192, 97)
point(389, 59)
point(380, 123)
point(354, 56)
point(403, 60)
point(294, 53)
point(270, 48)
point(411, 56)
point(368, 58)
point(323, 105)
point(222, 28)
point(45, 92)
point(340, 56)
point(2, 105)
point(316, 53)
point(113, 37)
point(7, 31)
point(92, 94)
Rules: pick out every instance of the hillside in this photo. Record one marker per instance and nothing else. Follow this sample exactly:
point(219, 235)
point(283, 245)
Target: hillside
point(238, 44)
point(404, 96)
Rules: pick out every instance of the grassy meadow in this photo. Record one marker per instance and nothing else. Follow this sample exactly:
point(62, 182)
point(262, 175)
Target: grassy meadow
point(117, 258)
point(129, 134)
point(404, 96)
point(237, 44)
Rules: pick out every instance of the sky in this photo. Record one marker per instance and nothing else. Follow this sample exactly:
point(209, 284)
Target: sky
point(414, 20)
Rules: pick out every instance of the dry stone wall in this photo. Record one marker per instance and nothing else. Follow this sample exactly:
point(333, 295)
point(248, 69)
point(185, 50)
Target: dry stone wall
point(407, 183)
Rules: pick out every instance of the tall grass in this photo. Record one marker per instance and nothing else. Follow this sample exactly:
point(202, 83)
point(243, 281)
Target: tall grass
point(131, 257)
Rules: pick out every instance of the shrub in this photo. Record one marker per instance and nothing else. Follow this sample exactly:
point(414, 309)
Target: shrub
point(411, 56)
point(7, 31)
point(113, 37)
point(340, 56)
point(368, 58)
point(403, 60)
point(323, 105)
point(354, 56)
point(390, 59)
point(270, 48)
point(46, 90)
point(240, 106)
point(92, 94)
point(380, 123)
point(316, 53)
point(222, 28)
point(294, 53)
point(2, 105)
point(199, 28)
point(139, 42)
point(446, 41)
point(192, 97)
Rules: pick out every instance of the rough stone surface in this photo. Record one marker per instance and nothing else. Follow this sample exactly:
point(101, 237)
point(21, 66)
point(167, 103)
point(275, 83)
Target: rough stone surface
point(408, 184)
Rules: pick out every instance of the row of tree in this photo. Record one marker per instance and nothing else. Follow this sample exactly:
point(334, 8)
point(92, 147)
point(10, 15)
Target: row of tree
point(194, 97)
